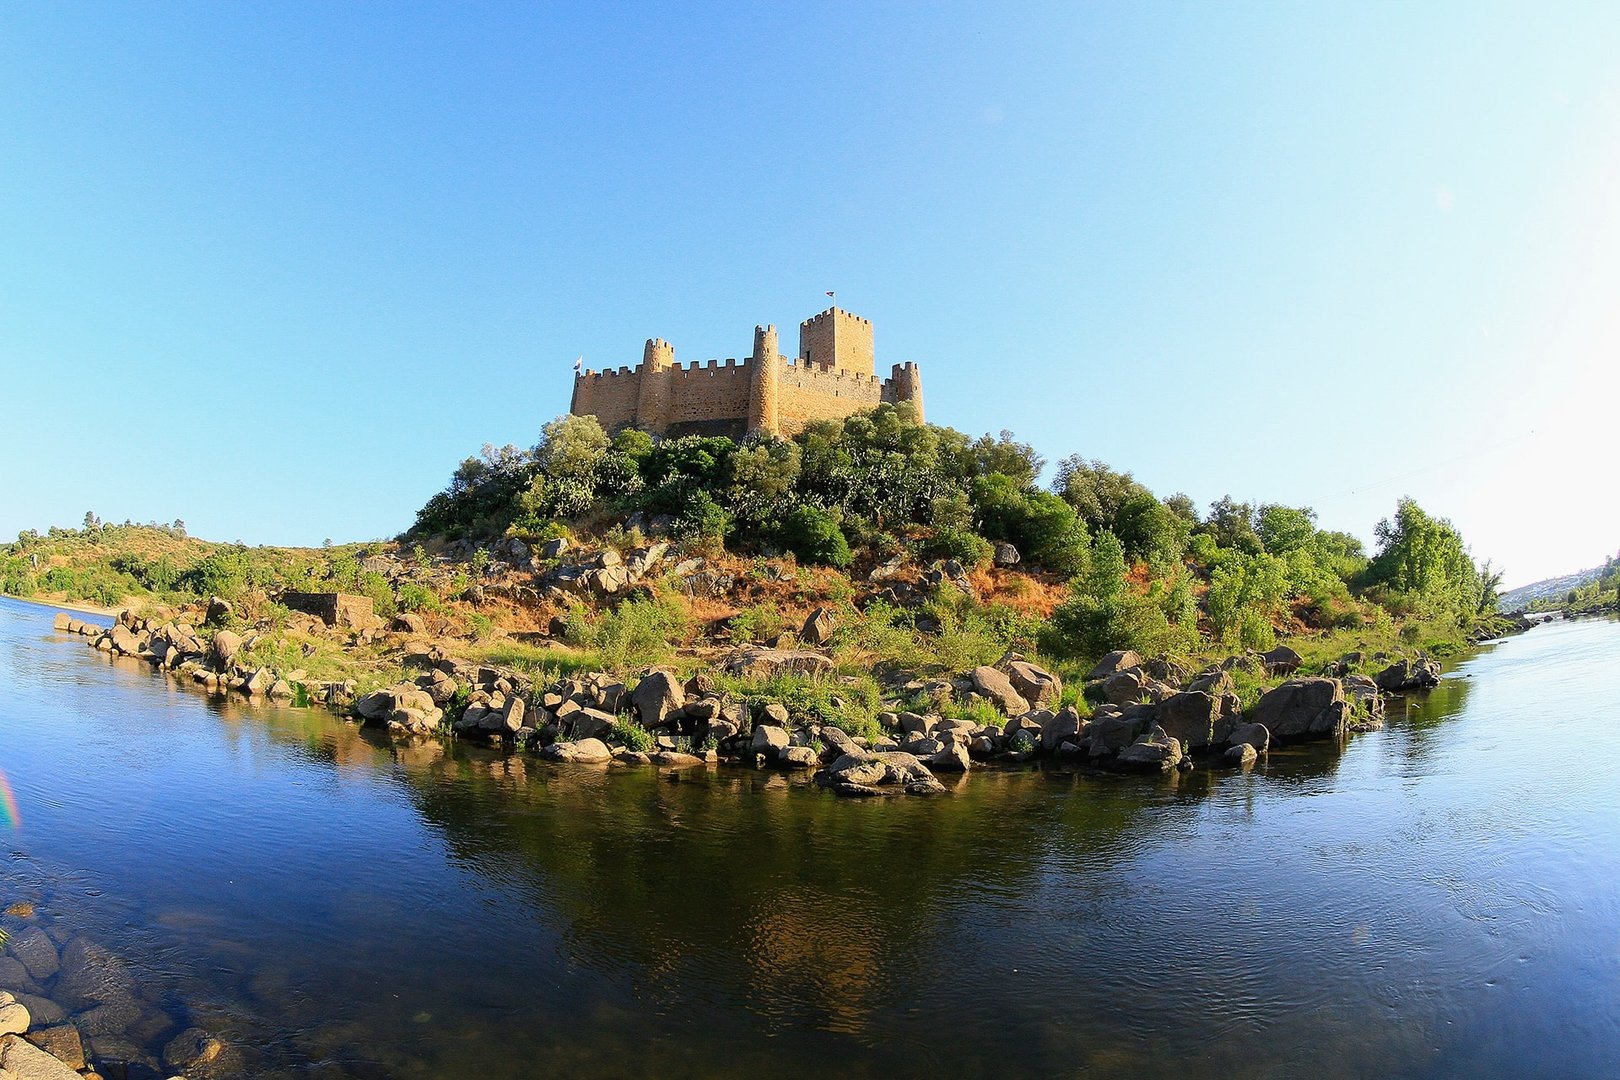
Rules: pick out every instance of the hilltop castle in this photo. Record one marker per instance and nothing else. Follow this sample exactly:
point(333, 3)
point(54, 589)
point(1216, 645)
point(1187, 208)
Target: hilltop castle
point(832, 377)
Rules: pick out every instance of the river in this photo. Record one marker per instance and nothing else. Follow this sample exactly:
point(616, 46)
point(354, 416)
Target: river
point(1436, 899)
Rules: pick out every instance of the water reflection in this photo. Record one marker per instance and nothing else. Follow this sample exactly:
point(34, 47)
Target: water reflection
point(1418, 902)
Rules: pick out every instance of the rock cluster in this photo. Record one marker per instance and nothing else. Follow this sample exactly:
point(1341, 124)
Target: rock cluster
point(71, 1006)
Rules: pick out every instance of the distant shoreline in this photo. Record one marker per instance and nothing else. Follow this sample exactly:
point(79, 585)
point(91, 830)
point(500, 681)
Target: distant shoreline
point(64, 605)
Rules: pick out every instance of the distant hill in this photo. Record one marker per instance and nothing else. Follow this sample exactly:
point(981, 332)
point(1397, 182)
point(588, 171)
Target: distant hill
point(1550, 589)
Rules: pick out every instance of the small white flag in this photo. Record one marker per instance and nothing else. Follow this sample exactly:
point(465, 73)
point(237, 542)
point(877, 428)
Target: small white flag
point(829, 294)
point(579, 365)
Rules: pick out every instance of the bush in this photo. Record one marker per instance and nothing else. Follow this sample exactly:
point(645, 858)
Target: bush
point(814, 537)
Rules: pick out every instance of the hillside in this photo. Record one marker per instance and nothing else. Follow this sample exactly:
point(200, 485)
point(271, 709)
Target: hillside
point(1553, 592)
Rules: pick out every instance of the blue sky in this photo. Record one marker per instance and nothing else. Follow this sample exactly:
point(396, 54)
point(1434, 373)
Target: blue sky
point(274, 270)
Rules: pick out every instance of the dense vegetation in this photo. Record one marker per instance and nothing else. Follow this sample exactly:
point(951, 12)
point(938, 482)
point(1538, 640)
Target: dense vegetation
point(1141, 571)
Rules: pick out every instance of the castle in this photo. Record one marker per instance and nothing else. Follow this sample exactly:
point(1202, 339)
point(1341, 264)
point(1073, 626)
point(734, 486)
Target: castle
point(832, 377)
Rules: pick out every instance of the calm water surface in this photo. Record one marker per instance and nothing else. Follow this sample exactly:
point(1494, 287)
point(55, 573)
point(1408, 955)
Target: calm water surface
point(1438, 899)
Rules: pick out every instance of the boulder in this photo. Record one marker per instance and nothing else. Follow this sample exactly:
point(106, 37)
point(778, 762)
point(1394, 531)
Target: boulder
point(583, 752)
point(219, 609)
point(1124, 687)
point(1406, 675)
point(1214, 683)
point(25, 1061)
point(1254, 735)
point(998, 688)
point(837, 743)
point(31, 946)
point(763, 663)
point(1066, 726)
point(769, 740)
point(674, 759)
point(91, 976)
point(1241, 755)
point(656, 697)
point(1366, 703)
point(1196, 719)
point(1116, 661)
point(953, 758)
point(62, 1042)
point(14, 1018)
point(408, 623)
point(591, 723)
point(1310, 708)
point(1281, 661)
point(818, 628)
point(796, 757)
point(1156, 752)
point(1039, 687)
point(224, 648)
point(861, 769)
point(1005, 555)
point(61, 621)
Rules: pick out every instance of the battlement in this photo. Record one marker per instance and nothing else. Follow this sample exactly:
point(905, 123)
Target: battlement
point(833, 376)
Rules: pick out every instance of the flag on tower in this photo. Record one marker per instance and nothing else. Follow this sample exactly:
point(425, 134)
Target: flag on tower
point(579, 365)
point(829, 294)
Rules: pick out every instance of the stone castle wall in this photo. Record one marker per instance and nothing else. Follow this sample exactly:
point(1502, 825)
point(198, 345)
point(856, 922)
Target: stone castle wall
point(731, 396)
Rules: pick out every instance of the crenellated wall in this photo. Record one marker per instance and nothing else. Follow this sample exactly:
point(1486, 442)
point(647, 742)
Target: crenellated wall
point(769, 394)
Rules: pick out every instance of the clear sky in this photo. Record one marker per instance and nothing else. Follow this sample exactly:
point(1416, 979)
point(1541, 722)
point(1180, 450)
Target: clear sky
point(274, 269)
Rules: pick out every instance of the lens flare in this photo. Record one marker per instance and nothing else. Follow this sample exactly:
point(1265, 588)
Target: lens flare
point(8, 804)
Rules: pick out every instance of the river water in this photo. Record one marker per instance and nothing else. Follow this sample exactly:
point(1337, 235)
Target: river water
point(1437, 899)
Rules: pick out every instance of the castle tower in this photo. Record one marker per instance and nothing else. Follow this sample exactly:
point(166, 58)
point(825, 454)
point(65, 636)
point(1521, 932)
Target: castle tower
point(763, 382)
point(906, 381)
point(652, 403)
point(837, 340)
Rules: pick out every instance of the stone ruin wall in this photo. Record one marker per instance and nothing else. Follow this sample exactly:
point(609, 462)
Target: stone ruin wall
point(807, 394)
point(610, 396)
point(705, 393)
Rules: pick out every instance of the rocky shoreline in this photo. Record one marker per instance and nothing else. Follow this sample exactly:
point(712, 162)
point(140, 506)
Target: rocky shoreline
point(73, 1010)
point(1148, 716)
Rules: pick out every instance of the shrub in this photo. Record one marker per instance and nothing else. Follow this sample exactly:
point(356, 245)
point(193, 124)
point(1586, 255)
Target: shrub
point(813, 535)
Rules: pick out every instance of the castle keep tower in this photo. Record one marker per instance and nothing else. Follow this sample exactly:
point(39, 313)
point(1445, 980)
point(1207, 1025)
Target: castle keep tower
point(837, 341)
point(832, 377)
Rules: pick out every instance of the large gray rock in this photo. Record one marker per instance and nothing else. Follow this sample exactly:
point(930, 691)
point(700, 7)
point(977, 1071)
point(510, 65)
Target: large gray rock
point(91, 976)
point(35, 950)
point(1151, 753)
point(581, 752)
point(818, 628)
point(1406, 675)
point(1124, 687)
point(1065, 726)
point(1254, 735)
point(770, 740)
point(1196, 719)
point(998, 688)
point(1281, 661)
point(857, 768)
point(796, 757)
point(761, 663)
point(1241, 755)
point(1116, 661)
point(657, 697)
point(1312, 708)
point(1109, 734)
point(1039, 687)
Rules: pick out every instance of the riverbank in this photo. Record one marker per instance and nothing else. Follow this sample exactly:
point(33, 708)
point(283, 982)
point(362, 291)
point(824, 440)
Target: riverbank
point(785, 708)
